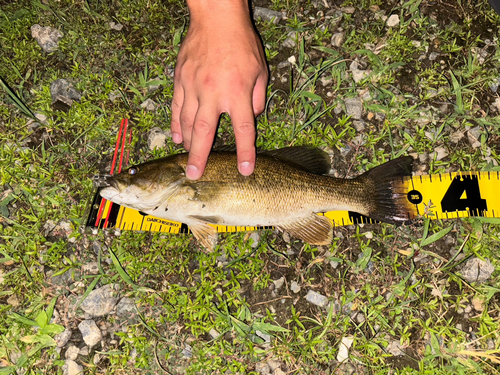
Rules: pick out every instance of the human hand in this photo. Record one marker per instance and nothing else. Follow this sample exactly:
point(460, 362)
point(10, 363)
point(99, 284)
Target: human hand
point(221, 68)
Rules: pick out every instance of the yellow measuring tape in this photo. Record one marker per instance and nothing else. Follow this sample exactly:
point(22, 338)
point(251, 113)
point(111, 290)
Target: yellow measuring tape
point(437, 196)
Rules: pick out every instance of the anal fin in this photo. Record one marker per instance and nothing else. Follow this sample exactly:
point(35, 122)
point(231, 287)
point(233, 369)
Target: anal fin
point(313, 229)
point(205, 234)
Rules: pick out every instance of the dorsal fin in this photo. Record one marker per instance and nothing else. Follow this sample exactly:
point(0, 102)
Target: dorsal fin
point(310, 159)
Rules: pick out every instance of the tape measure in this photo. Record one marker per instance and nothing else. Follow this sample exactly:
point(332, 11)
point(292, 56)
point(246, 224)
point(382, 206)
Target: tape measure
point(436, 196)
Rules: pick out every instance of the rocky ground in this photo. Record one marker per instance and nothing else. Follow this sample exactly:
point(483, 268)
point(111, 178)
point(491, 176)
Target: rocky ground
point(364, 80)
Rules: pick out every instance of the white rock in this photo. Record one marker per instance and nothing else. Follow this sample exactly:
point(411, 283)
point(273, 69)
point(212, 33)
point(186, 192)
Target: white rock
point(393, 20)
point(439, 153)
point(156, 138)
point(295, 287)
point(264, 336)
point(72, 352)
point(63, 337)
point(345, 344)
point(91, 334)
point(395, 348)
point(337, 39)
point(477, 270)
point(292, 59)
point(149, 105)
point(115, 26)
point(70, 367)
point(213, 333)
point(267, 14)
point(279, 283)
point(46, 37)
point(316, 299)
point(262, 368)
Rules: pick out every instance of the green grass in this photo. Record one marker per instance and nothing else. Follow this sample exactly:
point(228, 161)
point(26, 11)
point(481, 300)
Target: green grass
point(390, 285)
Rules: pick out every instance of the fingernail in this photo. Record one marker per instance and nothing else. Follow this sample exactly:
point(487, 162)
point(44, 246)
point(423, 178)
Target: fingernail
point(245, 168)
point(176, 138)
point(192, 172)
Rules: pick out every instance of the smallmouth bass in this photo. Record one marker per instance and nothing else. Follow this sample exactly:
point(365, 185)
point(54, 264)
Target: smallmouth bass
point(287, 189)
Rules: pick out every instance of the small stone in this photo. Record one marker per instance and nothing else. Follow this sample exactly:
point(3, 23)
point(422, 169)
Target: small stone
point(114, 95)
point(477, 270)
point(90, 268)
point(283, 64)
point(70, 367)
point(359, 125)
point(345, 344)
point(357, 74)
point(115, 26)
point(456, 136)
point(187, 351)
point(494, 85)
point(354, 107)
point(255, 237)
point(316, 299)
point(279, 283)
point(72, 352)
point(213, 333)
point(84, 351)
point(439, 153)
point(273, 364)
point(101, 301)
point(360, 317)
point(149, 105)
point(295, 287)
point(348, 10)
point(289, 43)
point(267, 15)
point(13, 300)
point(279, 371)
point(380, 116)
point(262, 368)
point(496, 104)
point(264, 336)
point(286, 237)
point(337, 39)
point(154, 87)
point(393, 20)
point(156, 138)
point(47, 37)
point(433, 56)
point(478, 304)
point(473, 135)
point(63, 337)
point(395, 348)
point(292, 59)
point(91, 334)
point(325, 81)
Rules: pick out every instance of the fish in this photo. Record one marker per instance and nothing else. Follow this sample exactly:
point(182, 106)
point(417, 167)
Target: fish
point(287, 190)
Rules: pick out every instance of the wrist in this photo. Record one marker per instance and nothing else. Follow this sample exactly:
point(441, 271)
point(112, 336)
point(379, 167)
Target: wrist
point(225, 10)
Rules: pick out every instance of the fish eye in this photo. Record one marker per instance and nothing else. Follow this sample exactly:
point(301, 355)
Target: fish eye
point(132, 171)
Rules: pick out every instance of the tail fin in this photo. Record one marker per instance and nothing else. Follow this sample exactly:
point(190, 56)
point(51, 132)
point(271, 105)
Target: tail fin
point(390, 203)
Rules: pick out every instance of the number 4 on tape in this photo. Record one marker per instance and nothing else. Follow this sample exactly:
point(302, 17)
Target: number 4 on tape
point(453, 195)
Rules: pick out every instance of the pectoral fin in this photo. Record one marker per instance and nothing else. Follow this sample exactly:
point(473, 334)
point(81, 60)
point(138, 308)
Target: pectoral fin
point(313, 229)
point(205, 234)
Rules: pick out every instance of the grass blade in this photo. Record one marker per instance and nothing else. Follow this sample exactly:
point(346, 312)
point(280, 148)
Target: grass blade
point(18, 103)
